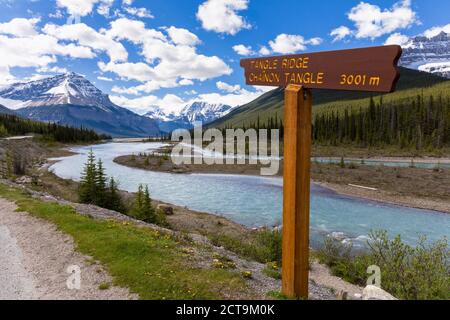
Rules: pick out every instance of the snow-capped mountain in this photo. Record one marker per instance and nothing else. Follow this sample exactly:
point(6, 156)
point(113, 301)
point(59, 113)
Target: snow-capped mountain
point(157, 113)
point(69, 88)
point(194, 112)
point(204, 112)
point(429, 54)
point(71, 99)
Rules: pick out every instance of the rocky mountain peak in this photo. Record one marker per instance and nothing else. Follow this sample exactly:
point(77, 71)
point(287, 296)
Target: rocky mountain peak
point(429, 54)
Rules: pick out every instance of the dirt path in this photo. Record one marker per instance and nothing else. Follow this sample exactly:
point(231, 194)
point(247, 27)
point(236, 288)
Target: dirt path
point(34, 259)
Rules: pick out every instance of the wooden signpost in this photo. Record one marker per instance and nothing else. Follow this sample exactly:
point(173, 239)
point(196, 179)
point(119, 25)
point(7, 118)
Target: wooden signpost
point(367, 69)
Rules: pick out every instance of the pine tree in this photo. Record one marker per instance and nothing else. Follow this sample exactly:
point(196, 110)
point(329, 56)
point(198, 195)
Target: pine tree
point(143, 208)
point(149, 213)
point(114, 200)
point(100, 184)
point(88, 188)
point(138, 203)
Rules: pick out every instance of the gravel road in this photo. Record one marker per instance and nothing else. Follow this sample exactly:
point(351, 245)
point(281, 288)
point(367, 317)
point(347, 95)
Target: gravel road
point(34, 259)
point(16, 283)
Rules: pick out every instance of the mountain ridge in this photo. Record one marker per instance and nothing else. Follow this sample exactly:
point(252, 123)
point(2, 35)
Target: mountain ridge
point(430, 54)
point(196, 111)
point(70, 99)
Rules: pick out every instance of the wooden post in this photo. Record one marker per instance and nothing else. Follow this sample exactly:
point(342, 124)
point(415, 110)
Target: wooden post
point(296, 192)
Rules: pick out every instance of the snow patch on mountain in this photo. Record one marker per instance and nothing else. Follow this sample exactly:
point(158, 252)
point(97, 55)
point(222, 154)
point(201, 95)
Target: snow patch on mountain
point(194, 112)
point(204, 112)
point(430, 54)
point(68, 88)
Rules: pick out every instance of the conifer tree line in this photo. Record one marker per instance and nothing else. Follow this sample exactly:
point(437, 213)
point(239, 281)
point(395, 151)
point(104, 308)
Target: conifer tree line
point(95, 188)
point(420, 123)
point(14, 125)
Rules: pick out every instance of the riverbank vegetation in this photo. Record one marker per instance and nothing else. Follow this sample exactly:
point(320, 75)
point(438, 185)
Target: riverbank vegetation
point(411, 273)
point(11, 125)
point(95, 188)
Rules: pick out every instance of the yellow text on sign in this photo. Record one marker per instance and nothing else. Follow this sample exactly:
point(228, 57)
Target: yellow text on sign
point(359, 80)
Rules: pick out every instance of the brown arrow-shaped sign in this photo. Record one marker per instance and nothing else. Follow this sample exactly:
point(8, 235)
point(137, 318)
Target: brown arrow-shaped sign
point(365, 69)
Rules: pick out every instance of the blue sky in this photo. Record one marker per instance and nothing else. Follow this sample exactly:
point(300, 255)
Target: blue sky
point(168, 53)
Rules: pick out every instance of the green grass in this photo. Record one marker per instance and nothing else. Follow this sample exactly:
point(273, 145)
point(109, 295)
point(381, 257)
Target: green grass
point(104, 286)
point(272, 270)
point(150, 263)
point(263, 246)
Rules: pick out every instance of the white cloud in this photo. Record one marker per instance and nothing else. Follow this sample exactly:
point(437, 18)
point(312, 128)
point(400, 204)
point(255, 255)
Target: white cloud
point(182, 36)
point(171, 59)
point(185, 82)
point(221, 16)
point(132, 30)
point(102, 78)
point(228, 87)
point(288, 43)
point(35, 50)
point(54, 69)
point(129, 71)
point(315, 41)
point(232, 99)
point(340, 33)
point(430, 33)
point(264, 51)
point(243, 50)
point(77, 7)
point(170, 103)
point(19, 27)
point(57, 14)
point(88, 37)
point(371, 21)
point(139, 12)
point(104, 7)
point(397, 38)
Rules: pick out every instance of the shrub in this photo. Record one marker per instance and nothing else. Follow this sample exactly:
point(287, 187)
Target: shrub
point(414, 273)
point(352, 165)
point(3, 131)
point(342, 163)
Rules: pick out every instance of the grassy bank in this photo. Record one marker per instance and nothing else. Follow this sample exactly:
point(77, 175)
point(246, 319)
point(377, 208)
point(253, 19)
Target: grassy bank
point(152, 264)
